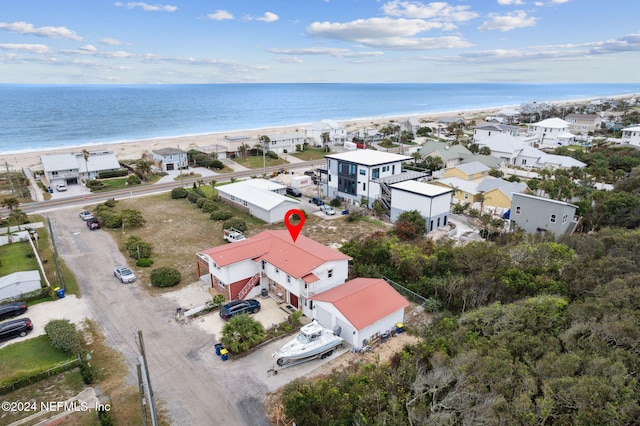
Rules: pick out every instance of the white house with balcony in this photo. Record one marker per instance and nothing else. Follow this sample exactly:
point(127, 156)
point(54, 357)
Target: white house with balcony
point(552, 132)
point(291, 272)
point(432, 201)
point(169, 159)
point(72, 168)
point(356, 174)
point(336, 133)
point(282, 143)
point(631, 135)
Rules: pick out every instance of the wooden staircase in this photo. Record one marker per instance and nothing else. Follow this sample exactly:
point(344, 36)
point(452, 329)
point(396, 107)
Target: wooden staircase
point(248, 286)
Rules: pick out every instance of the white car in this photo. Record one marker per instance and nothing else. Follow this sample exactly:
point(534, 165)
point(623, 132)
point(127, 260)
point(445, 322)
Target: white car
point(124, 274)
point(86, 215)
point(328, 210)
point(61, 187)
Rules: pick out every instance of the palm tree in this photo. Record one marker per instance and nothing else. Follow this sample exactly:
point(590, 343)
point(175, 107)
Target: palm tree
point(10, 203)
point(86, 154)
point(325, 140)
point(144, 167)
point(243, 149)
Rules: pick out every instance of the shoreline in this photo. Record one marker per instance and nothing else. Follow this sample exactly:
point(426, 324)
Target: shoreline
point(133, 149)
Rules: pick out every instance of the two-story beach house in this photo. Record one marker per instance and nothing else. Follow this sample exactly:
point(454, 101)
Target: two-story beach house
point(358, 174)
point(631, 135)
point(537, 215)
point(282, 143)
point(488, 129)
point(169, 159)
point(272, 262)
point(583, 123)
point(336, 133)
point(552, 132)
point(74, 167)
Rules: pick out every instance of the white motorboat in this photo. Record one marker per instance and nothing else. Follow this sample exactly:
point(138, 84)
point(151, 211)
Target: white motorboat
point(313, 341)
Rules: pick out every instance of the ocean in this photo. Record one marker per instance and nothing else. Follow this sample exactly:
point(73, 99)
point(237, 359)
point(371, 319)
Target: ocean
point(38, 117)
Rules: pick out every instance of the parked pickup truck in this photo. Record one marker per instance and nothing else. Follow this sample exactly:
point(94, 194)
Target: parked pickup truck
point(232, 235)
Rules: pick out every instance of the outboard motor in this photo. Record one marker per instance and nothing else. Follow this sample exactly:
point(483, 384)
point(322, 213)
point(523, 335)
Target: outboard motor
point(337, 330)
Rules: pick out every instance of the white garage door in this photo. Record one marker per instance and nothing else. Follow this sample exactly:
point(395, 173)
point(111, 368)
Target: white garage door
point(324, 318)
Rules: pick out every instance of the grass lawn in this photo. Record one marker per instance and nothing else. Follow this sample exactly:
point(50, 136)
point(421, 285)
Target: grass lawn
point(13, 258)
point(30, 356)
point(311, 154)
point(256, 162)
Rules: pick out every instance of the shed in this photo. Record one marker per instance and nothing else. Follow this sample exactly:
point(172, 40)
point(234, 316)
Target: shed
point(262, 203)
point(19, 283)
point(362, 308)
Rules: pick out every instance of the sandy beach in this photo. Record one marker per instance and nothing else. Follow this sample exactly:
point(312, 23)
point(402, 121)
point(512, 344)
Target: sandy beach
point(132, 150)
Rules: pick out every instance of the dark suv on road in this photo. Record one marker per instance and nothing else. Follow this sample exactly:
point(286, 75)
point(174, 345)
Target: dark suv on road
point(316, 200)
point(237, 307)
point(14, 328)
point(12, 309)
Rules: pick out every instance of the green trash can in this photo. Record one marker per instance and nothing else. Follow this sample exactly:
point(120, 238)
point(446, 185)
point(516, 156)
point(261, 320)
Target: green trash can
point(59, 291)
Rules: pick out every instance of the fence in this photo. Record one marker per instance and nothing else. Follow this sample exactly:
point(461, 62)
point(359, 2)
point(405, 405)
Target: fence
point(21, 382)
point(412, 296)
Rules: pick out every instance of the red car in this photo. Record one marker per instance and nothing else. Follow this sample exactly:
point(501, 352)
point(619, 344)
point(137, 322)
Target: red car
point(93, 223)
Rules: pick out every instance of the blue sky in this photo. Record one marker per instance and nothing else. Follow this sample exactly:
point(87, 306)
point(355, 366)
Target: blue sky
point(282, 41)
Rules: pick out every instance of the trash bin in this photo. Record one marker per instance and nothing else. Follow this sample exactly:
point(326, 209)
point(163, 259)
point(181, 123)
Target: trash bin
point(50, 190)
point(59, 291)
point(399, 327)
point(219, 347)
point(224, 354)
point(265, 292)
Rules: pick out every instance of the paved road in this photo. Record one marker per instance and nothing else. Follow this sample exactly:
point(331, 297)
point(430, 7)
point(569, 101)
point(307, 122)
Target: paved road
point(194, 385)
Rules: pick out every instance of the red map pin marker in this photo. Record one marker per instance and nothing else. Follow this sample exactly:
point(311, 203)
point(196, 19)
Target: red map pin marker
point(294, 229)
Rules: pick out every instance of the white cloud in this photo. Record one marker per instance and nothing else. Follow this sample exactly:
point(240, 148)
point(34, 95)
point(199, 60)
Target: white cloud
point(290, 60)
point(439, 11)
point(387, 33)
point(111, 41)
point(267, 17)
point(147, 7)
point(326, 51)
point(29, 48)
point(49, 32)
point(508, 22)
point(510, 2)
point(220, 15)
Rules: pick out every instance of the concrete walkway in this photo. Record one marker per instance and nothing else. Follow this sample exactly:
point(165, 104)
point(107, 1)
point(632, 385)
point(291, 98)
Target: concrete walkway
point(173, 174)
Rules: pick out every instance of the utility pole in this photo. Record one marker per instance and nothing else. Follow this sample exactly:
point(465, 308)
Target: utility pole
point(143, 402)
point(147, 380)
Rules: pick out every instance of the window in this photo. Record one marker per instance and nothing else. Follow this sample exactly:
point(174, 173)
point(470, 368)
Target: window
point(288, 278)
point(466, 196)
point(330, 273)
point(264, 264)
point(438, 225)
point(375, 173)
point(385, 168)
point(364, 186)
point(553, 218)
point(524, 161)
point(517, 209)
point(564, 218)
point(363, 172)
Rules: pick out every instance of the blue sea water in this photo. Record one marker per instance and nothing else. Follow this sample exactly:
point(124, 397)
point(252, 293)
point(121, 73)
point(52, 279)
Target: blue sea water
point(36, 117)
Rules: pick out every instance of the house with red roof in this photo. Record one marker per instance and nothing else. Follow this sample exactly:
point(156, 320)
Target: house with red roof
point(271, 261)
point(363, 308)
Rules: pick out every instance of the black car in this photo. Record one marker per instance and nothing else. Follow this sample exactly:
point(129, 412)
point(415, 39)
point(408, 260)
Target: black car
point(237, 307)
point(12, 309)
point(14, 328)
point(294, 192)
point(316, 200)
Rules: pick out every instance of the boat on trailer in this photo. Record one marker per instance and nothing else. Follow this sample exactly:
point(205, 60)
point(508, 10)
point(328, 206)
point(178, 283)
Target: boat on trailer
point(313, 341)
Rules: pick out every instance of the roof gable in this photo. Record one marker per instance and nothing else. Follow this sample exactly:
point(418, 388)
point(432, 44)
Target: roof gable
point(277, 248)
point(363, 301)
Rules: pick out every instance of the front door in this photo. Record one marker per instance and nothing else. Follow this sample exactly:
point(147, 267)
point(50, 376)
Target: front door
point(293, 300)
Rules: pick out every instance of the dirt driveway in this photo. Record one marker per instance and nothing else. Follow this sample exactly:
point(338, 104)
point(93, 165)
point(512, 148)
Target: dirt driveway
point(187, 377)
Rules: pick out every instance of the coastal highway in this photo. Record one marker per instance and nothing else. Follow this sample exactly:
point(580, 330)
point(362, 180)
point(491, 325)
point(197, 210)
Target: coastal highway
point(149, 189)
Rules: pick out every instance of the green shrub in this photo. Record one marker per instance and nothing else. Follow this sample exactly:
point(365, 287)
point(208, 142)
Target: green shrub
point(165, 277)
point(354, 215)
point(88, 372)
point(111, 220)
point(335, 202)
point(63, 336)
point(209, 206)
point(272, 155)
point(177, 193)
point(144, 262)
point(111, 202)
point(137, 248)
point(216, 164)
point(235, 222)
point(193, 196)
point(134, 180)
point(221, 215)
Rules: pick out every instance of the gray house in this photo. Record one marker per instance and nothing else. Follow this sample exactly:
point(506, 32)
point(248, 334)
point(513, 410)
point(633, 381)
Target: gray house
point(536, 215)
point(19, 283)
point(170, 159)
